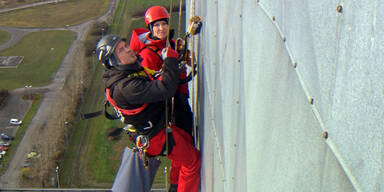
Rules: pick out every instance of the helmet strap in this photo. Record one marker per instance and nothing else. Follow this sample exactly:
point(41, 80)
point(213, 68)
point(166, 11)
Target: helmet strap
point(114, 60)
point(150, 28)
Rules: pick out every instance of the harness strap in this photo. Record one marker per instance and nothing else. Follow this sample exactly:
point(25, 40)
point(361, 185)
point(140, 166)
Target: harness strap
point(147, 73)
point(124, 111)
point(154, 49)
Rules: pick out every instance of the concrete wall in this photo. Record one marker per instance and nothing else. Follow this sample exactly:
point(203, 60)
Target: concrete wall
point(276, 77)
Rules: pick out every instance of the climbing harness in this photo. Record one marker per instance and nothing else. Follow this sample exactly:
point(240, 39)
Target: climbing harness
point(119, 111)
point(124, 111)
point(142, 140)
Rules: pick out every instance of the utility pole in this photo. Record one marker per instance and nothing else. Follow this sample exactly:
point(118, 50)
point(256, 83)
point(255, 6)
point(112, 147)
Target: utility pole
point(27, 88)
point(93, 60)
point(57, 176)
point(166, 177)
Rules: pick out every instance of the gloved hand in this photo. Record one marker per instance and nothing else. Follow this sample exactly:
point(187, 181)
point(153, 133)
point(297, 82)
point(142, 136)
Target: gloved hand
point(169, 52)
point(180, 43)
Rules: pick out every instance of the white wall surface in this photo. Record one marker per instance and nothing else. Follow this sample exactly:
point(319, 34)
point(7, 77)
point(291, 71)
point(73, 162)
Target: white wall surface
point(260, 131)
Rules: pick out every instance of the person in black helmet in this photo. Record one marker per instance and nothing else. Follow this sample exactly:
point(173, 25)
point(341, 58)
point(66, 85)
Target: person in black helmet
point(140, 99)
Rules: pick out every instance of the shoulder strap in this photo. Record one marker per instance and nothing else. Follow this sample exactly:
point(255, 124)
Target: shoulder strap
point(153, 48)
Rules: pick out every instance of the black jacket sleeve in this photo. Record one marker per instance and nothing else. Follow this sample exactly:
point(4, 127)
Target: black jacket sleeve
point(141, 90)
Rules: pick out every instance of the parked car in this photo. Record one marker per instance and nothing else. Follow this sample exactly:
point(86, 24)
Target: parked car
point(26, 164)
point(5, 137)
point(4, 143)
point(14, 121)
point(3, 148)
point(33, 155)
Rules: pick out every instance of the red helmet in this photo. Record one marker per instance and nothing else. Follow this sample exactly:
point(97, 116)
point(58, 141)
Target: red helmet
point(155, 13)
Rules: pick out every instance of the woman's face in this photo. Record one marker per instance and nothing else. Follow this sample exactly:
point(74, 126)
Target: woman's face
point(160, 29)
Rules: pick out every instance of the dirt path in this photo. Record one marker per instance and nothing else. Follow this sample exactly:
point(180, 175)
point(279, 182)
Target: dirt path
point(10, 179)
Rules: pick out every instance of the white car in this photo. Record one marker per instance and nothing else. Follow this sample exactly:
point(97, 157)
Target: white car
point(14, 121)
point(4, 143)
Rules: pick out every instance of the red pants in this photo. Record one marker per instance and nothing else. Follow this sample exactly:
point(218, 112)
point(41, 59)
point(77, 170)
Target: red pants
point(185, 159)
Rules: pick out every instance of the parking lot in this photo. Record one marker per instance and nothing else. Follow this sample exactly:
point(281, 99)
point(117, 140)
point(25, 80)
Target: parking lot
point(15, 107)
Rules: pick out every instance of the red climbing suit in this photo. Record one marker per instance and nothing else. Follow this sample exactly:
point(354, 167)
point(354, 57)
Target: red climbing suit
point(184, 155)
point(150, 51)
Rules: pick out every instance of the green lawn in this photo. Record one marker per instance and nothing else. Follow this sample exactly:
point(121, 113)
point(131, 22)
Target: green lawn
point(4, 37)
point(102, 157)
point(137, 8)
point(43, 53)
point(56, 15)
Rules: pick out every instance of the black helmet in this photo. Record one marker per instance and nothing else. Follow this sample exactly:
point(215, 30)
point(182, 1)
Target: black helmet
point(105, 50)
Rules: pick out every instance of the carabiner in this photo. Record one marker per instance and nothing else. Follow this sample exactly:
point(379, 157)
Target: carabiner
point(142, 142)
point(195, 26)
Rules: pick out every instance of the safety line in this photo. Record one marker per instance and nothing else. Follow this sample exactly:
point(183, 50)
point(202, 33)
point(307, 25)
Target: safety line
point(193, 98)
point(169, 21)
point(167, 126)
point(197, 136)
point(310, 99)
point(194, 94)
point(180, 14)
point(214, 132)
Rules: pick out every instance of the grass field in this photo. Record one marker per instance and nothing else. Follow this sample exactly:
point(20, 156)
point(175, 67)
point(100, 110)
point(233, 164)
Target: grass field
point(102, 157)
point(4, 37)
point(135, 8)
point(43, 53)
point(56, 15)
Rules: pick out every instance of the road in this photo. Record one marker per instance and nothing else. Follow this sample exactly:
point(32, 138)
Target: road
point(17, 107)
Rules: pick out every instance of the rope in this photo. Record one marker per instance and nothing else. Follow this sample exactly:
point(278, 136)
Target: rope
point(169, 22)
point(167, 127)
point(194, 94)
point(197, 137)
point(180, 14)
point(193, 7)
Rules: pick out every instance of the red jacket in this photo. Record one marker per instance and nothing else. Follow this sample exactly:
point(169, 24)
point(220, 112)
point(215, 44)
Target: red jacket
point(150, 51)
